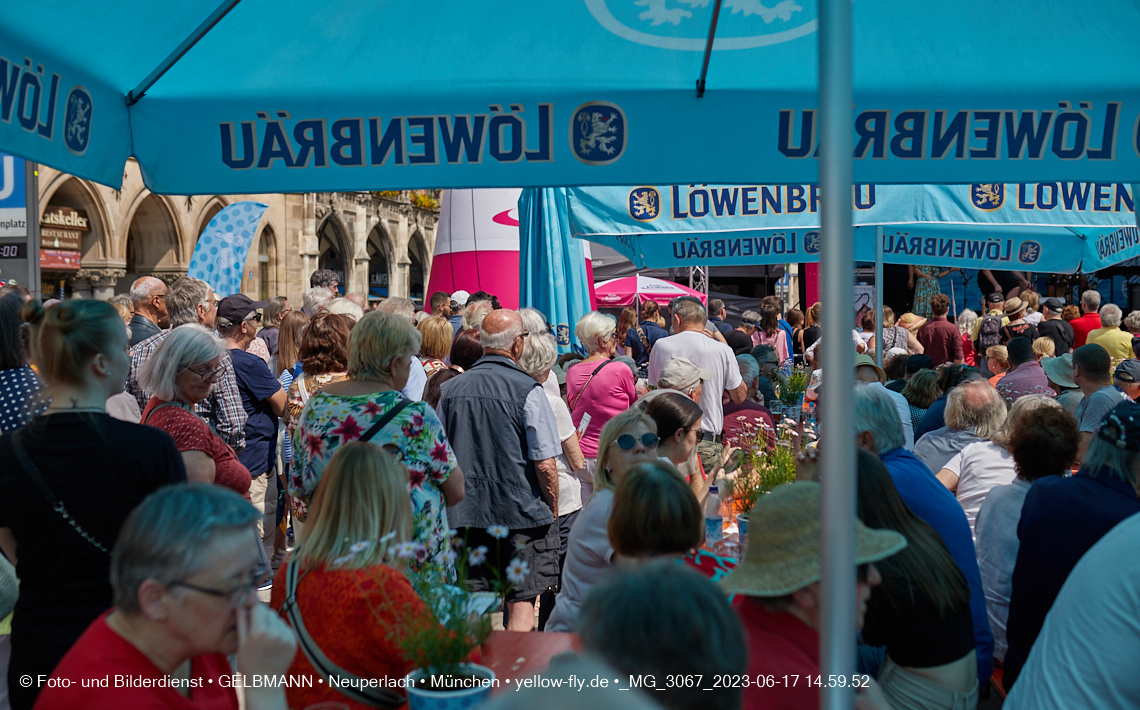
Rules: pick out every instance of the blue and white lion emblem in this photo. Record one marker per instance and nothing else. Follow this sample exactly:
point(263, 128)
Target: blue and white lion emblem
point(644, 204)
point(987, 196)
point(1029, 252)
point(598, 133)
point(811, 243)
point(77, 121)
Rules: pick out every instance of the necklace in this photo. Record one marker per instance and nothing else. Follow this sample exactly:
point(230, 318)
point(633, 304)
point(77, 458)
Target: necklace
point(72, 410)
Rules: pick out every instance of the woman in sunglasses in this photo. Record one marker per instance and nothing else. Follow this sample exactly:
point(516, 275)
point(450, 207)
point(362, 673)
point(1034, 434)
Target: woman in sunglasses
point(627, 439)
point(179, 374)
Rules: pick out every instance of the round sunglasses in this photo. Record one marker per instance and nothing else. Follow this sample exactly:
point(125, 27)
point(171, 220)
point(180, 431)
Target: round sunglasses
point(626, 442)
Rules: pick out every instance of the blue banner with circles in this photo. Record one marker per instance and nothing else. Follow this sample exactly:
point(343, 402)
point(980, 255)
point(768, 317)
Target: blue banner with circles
point(224, 245)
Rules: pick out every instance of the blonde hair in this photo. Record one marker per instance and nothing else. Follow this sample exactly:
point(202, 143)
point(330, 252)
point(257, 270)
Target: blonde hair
point(614, 428)
point(362, 497)
point(999, 353)
point(123, 311)
point(377, 340)
point(66, 336)
point(1044, 347)
point(436, 334)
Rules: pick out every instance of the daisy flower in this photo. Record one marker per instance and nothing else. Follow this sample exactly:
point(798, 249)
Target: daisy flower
point(446, 557)
point(517, 571)
point(477, 556)
point(499, 532)
point(341, 560)
point(359, 546)
point(407, 549)
point(519, 543)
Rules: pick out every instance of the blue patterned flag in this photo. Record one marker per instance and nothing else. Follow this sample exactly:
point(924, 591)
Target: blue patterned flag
point(223, 246)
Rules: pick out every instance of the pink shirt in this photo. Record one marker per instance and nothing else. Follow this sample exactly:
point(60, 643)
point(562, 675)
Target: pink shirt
point(779, 340)
point(610, 392)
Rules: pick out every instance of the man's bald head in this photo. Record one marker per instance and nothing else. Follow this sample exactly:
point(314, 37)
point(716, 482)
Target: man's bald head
point(148, 299)
point(500, 330)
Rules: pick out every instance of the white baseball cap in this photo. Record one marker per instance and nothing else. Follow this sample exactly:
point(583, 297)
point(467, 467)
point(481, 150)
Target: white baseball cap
point(460, 297)
point(681, 374)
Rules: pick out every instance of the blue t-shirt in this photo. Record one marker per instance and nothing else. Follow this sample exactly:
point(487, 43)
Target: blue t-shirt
point(935, 417)
point(256, 385)
point(930, 500)
point(653, 333)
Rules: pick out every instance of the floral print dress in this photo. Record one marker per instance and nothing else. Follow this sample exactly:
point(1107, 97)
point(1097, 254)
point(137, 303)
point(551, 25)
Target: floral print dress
point(924, 289)
point(415, 438)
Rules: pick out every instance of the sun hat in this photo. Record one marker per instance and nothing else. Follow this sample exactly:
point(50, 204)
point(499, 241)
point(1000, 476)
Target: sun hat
point(862, 359)
point(1121, 428)
point(1127, 371)
point(1059, 370)
point(910, 321)
point(784, 543)
point(680, 373)
point(894, 352)
point(1014, 306)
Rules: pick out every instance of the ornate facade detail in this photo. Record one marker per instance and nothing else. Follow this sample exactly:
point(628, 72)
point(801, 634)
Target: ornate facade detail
point(100, 276)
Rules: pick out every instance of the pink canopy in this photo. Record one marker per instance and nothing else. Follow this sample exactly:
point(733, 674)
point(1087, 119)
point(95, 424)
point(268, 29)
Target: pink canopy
point(618, 293)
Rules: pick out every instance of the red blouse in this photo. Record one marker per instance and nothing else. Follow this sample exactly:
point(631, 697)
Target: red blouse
point(350, 614)
point(191, 433)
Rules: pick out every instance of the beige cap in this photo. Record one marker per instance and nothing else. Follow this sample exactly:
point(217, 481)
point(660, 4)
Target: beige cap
point(680, 373)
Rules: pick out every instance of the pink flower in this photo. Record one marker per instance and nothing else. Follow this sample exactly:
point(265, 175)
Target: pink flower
point(315, 445)
point(372, 409)
point(439, 452)
point(348, 430)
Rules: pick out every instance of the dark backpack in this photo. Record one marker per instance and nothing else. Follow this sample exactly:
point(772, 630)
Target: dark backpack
point(989, 333)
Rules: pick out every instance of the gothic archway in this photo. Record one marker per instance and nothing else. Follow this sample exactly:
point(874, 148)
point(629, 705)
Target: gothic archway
point(335, 254)
point(379, 263)
point(417, 269)
point(152, 243)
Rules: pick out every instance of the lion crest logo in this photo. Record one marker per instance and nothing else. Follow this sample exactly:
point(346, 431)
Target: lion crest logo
point(598, 133)
point(77, 121)
point(1029, 252)
point(683, 25)
point(644, 204)
point(987, 196)
point(811, 243)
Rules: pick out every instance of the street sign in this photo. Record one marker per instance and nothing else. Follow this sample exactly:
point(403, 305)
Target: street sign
point(19, 252)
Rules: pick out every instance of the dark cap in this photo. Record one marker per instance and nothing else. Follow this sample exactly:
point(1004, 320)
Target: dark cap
point(1127, 371)
point(1054, 304)
point(1121, 427)
point(914, 363)
point(237, 307)
point(995, 298)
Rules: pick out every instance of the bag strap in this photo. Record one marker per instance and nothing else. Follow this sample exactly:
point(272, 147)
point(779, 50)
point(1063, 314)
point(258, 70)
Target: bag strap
point(383, 421)
point(45, 490)
point(644, 340)
point(146, 419)
point(346, 683)
point(587, 384)
point(302, 390)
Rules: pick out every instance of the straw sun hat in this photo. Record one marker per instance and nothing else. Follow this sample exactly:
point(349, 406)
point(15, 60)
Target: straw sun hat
point(783, 544)
point(911, 322)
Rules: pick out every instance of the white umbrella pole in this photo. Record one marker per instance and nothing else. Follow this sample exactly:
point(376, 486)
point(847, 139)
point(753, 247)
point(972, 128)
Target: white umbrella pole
point(879, 295)
point(837, 254)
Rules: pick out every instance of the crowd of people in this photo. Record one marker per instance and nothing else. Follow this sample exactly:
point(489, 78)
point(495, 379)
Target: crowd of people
point(168, 457)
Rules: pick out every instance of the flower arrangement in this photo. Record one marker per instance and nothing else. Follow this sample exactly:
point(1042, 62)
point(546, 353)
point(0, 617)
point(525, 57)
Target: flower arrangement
point(792, 385)
point(460, 620)
point(424, 201)
point(769, 460)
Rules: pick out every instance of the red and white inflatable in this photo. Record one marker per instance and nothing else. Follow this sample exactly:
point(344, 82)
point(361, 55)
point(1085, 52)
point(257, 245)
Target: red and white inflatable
point(477, 244)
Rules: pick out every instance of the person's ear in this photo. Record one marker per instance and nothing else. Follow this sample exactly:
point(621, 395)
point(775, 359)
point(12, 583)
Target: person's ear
point(152, 600)
point(99, 363)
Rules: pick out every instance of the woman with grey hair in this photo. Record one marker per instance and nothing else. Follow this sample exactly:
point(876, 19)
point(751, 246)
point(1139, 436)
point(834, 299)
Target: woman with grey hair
point(540, 350)
point(368, 406)
point(597, 388)
point(185, 581)
point(179, 374)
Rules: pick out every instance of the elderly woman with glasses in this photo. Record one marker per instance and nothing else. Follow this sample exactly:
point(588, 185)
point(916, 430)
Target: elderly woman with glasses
point(179, 374)
point(627, 439)
point(184, 576)
point(597, 387)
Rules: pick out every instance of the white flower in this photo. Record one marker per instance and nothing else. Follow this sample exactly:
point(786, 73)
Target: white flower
point(499, 532)
point(359, 546)
point(408, 549)
point(517, 571)
point(452, 532)
point(446, 557)
point(519, 543)
point(477, 556)
point(341, 560)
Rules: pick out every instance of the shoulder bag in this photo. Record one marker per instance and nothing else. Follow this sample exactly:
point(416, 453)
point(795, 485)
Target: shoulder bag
point(587, 383)
point(45, 490)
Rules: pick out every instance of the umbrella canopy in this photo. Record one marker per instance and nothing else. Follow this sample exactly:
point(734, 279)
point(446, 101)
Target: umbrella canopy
point(221, 96)
point(618, 293)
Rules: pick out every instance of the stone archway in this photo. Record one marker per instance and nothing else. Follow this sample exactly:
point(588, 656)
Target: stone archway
point(267, 285)
point(99, 271)
point(418, 264)
point(379, 263)
point(152, 244)
point(334, 249)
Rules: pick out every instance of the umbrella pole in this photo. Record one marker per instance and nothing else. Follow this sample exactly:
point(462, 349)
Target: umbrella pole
point(837, 254)
point(879, 295)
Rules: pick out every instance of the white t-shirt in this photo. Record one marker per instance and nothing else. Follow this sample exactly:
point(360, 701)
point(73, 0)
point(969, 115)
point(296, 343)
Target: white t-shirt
point(979, 467)
point(997, 546)
point(904, 413)
point(1085, 656)
point(589, 557)
point(569, 487)
point(707, 354)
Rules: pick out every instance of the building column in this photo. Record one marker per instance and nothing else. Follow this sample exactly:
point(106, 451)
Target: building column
point(101, 282)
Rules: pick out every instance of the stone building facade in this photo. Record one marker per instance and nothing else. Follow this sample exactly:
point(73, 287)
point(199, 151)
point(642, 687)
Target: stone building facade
point(381, 243)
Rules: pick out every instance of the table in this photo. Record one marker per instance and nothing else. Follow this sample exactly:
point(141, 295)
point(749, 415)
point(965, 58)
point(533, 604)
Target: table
point(517, 654)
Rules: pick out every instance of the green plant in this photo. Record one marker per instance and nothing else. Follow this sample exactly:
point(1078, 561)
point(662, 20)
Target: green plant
point(423, 201)
point(792, 385)
point(769, 460)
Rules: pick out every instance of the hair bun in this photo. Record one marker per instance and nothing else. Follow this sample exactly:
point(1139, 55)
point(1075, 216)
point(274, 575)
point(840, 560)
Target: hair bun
point(33, 312)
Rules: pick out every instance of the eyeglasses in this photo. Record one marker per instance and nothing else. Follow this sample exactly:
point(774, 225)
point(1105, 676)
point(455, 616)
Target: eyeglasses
point(522, 335)
point(234, 597)
point(625, 442)
point(206, 375)
point(862, 571)
point(255, 316)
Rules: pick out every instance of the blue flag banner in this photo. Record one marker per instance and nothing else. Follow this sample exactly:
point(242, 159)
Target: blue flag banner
point(552, 266)
point(1038, 226)
point(208, 99)
point(219, 257)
